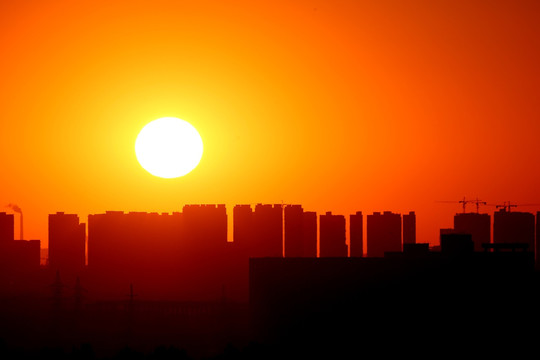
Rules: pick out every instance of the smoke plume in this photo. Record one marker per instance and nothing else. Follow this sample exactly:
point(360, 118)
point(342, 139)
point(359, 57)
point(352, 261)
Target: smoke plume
point(15, 208)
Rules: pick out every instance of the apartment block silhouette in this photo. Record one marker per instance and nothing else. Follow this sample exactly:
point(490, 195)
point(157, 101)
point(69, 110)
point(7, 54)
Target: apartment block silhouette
point(409, 228)
point(514, 227)
point(356, 234)
point(332, 236)
point(477, 225)
point(67, 244)
point(383, 233)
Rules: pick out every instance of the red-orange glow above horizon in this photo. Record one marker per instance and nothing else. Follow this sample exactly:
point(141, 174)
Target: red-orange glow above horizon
point(341, 106)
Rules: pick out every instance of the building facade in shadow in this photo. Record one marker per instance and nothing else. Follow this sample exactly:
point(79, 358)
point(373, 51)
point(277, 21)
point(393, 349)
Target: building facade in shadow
point(478, 225)
point(356, 234)
point(383, 233)
point(514, 227)
point(67, 245)
point(332, 236)
point(409, 228)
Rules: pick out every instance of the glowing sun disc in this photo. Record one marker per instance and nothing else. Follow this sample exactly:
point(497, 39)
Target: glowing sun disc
point(168, 147)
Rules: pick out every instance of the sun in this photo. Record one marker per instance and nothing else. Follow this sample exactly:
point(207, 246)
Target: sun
point(169, 147)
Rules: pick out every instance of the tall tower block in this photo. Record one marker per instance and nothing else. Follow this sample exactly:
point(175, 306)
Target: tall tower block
point(67, 244)
point(7, 230)
point(332, 236)
point(356, 232)
point(383, 233)
point(294, 219)
point(409, 228)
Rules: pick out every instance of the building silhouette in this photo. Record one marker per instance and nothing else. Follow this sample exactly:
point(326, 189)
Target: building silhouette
point(67, 244)
point(309, 234)
point(268, 231)
point(383, 233)
point(457, 243)
point(332, 236)
point(204, 258)
point(356, 233)
point(206, 227)
point(299, 301)
point(300, 232)
point(537, 243)
point(409, 228)
point(294, 229)
point(513, 227)
point(136, 247)
point(167, 256)
point(19, 259)
point(243, 228)
point(478, 225)
point(7, 227)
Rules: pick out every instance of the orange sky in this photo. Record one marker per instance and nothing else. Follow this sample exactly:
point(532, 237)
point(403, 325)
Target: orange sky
point(336, 105)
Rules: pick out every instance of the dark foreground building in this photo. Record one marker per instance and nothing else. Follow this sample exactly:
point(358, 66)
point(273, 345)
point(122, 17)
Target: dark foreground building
point(513, 227)
point(478, 225)
point(410, 302)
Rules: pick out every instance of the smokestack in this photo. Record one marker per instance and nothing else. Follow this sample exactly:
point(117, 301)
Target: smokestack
point(17, 209)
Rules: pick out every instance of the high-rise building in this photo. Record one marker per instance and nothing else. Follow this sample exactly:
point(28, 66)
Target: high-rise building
point(147, 250)
point(243, 228)
point(67, 244)
point(205, 226)
point(478, 225)
point(300, 232)
point(332, 236)
point(178, 255)
point(409, 228)
point(268, 231)
point(513, 227)
point(537, 243)
point(7, 222)
point(294, 220)
point(356, 233)
point(309, 234)
point(383, 233)
point(259, 233)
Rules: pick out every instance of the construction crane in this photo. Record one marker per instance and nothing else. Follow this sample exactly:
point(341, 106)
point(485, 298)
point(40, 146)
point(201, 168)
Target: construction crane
point(464, 203)
point(507, 206)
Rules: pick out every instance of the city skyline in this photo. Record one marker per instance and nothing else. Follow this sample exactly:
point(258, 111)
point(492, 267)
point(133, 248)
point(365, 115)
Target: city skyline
point(225, 176)
point(338, 106)
point(173, 279)
point(300, 233)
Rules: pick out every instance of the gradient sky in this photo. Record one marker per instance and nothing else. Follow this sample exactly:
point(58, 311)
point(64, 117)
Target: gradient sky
point(336, 105)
